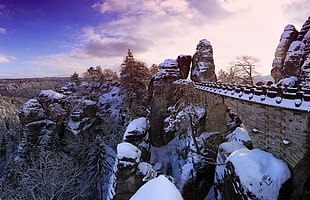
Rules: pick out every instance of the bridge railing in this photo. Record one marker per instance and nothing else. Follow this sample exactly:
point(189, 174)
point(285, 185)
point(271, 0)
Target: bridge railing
point(284, 96)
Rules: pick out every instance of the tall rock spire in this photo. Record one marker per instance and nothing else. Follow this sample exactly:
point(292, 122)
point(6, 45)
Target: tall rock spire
point(203, 68)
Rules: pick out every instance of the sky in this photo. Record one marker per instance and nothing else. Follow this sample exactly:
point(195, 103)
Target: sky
point(48, 38)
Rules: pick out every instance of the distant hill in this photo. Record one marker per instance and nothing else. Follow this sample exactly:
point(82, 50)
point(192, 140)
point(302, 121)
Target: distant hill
point(20, 90)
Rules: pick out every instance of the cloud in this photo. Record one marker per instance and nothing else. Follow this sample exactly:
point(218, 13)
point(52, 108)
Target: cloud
point(3, 30)
point(116, 47)
point(297, 10)
point(212, 9)
point(160, 29)
point(6, 59)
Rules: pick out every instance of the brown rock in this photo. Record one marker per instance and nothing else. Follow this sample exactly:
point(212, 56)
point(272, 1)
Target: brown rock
point(184, 63)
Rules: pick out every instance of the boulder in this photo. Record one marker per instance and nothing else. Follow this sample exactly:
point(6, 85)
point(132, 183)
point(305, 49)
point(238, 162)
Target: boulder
point(203, 68)
point(254, 174)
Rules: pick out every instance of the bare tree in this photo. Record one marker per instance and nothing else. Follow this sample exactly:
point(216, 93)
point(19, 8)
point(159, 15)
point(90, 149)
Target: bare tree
point(241, 70)
point(245, 66)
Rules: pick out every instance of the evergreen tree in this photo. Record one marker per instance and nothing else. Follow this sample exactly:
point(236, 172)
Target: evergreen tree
point(75, 78)
point(133, 80)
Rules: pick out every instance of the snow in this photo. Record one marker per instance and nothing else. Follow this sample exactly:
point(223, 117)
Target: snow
point(73, 126)
point(239, 134)
point(261, 99)
point(136, 126)
point(159, 188)
point(183, 82)
point(169, 68)
point(32, 105)
point(187, 173)
point(147, 170)
point(225, 149)
point(51, 94)
point(204, 42)
point(260, 172)
point(127, 150)
point(287, 31)
point(286, 141)
point(291, 81)
point(89, 102)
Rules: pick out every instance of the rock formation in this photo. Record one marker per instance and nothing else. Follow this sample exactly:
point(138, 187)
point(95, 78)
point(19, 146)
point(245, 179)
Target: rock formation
point(162, 94)
point(203, 68)
point(288, 36)
point(292, 54)
point(131, 169)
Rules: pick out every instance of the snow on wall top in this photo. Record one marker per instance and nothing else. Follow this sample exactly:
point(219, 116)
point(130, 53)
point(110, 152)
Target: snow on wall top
point(159, 188)
point(260, 172)
point(294, 100)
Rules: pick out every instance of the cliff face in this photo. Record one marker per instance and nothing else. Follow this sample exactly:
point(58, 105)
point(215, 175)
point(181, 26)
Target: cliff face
point(162, 92)
point(292, 54)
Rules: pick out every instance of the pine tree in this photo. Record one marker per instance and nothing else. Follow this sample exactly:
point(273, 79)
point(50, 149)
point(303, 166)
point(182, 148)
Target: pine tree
point(133, 80)
point(75, 78)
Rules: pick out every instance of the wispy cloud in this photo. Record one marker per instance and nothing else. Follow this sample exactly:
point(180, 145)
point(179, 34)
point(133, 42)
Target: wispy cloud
point(297, 11)
point(6, 59)
point(3, 30)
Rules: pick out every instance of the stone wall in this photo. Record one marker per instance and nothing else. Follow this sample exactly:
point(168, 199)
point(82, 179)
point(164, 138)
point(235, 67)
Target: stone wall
point(281, 131)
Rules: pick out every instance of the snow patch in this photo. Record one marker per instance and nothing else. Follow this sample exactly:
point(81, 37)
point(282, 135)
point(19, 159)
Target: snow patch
point(137, 126)
point(51, 94)
point(240, 134)
point(159, 188)
point(127, 150)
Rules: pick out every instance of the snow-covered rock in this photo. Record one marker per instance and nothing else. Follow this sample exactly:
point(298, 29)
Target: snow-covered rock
point(294, 59)
point(31, 111)
point(128, 154)
point(203, 68)
point(288, 36)
point(240, 135)
point(258, 173)
point(292, 54)
point(290, 81)
point(168, 69)
point(136, 128)
point(159, 188)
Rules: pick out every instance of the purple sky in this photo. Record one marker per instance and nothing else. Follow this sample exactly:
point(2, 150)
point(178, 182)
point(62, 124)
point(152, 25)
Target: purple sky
point(42, 38)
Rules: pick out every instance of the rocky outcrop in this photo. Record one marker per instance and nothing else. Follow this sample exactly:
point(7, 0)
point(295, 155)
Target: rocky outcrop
point(247, 174)
point(288, 36)
point(131, 169)
point(162, 92)
point(72, 111)
point(292, 53)
point(203, 68)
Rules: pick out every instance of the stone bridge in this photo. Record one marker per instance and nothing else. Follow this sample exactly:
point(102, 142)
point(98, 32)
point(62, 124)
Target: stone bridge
point(277, 119)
